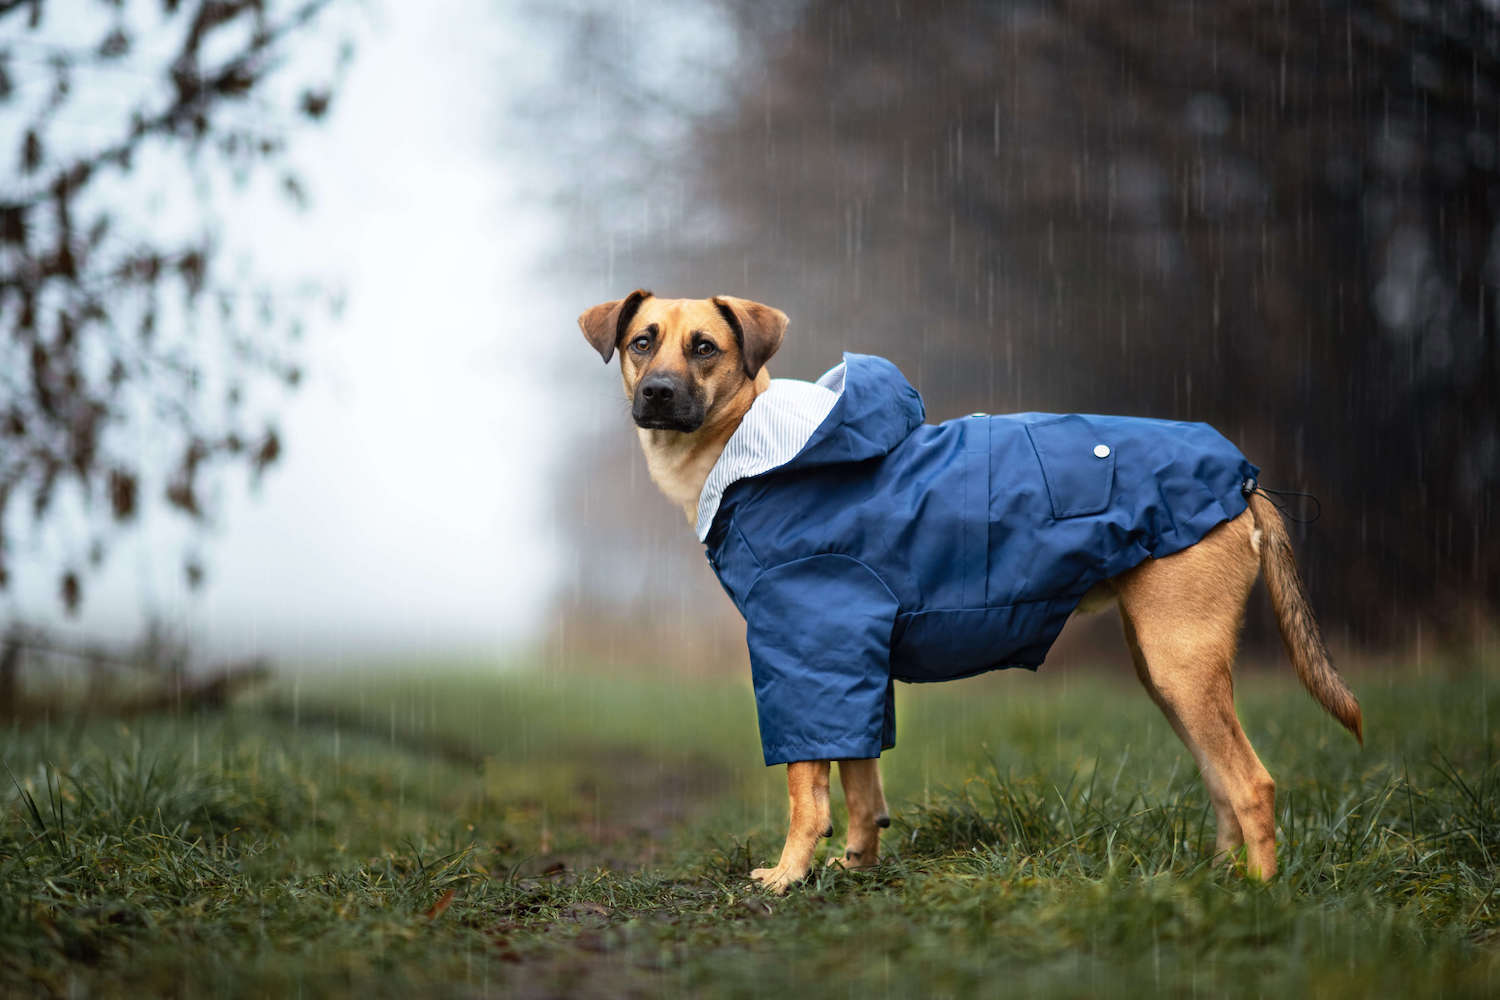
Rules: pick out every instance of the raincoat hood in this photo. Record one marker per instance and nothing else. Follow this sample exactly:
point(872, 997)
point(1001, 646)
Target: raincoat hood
point(876, 410)
point(859, 410)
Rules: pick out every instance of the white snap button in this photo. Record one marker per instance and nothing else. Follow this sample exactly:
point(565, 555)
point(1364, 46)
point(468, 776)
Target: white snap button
point(1101, 451)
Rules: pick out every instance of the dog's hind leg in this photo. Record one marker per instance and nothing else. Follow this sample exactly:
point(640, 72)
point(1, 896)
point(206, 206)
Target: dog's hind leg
point(1182, 617)
point(867, 812)
point(1229, 836)
point(811, 818)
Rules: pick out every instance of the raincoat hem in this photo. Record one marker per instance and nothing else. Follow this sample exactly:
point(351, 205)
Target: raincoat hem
point(791, 753)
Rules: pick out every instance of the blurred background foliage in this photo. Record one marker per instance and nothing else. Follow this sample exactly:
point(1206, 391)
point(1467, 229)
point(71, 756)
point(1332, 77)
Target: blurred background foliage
point(1278, 218)
point(133, 359)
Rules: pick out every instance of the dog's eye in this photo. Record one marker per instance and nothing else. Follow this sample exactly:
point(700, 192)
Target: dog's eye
point(705, 349)
point(641, 344)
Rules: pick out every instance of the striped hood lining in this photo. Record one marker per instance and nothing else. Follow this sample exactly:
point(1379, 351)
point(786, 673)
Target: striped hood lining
point(775, 428)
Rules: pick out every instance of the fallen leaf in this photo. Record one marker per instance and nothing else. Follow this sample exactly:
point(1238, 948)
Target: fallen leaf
point(436, 910)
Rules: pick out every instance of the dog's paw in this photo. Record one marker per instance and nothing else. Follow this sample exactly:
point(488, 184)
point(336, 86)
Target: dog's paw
point(778, 879)
point(854, 859)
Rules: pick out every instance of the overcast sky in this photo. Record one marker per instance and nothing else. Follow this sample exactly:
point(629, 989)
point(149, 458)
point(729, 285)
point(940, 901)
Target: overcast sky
point(412, 505)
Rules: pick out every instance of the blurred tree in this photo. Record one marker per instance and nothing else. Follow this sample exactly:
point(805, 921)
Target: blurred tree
point(125, 351)
point(1278, 218)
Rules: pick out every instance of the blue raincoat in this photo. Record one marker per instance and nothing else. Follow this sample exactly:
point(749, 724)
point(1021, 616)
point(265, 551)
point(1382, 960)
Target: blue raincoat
point(864, 546)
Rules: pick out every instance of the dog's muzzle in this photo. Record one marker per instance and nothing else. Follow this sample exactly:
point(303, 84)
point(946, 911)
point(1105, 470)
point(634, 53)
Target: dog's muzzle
point(664, 403)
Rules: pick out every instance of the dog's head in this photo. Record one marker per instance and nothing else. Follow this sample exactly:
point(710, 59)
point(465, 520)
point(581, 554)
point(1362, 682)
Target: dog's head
point(681, 359)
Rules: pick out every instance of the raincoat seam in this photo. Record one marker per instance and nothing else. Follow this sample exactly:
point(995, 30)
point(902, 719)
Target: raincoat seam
point(760, 563)
point(749, 591)
point(993, 607)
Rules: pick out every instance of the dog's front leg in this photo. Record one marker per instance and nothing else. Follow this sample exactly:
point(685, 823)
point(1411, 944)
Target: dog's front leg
point(807, 788)
point(867, 813)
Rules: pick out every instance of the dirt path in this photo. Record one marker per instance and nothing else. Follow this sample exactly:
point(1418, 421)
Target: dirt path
point(639, 801)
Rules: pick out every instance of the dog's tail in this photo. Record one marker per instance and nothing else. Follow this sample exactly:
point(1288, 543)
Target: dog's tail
point(1299, 629)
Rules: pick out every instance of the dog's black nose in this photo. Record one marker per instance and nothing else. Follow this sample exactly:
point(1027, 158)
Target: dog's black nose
point(663, 402)
point(658, 391)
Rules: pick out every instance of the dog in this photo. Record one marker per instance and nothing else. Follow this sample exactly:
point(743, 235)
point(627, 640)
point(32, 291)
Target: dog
point(864, 545)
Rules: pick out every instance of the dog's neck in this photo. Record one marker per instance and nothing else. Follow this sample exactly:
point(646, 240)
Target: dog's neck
point(680, 463)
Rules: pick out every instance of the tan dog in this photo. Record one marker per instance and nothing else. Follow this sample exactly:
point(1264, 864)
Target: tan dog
point(693, 367)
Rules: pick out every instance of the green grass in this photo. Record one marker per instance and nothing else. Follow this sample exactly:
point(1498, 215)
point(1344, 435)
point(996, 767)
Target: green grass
point(1050, 836)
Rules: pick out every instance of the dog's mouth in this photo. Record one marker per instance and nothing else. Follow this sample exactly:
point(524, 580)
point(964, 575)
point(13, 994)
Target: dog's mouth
point(656, 422)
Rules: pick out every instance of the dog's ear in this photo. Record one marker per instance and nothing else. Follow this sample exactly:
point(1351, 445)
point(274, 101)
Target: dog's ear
point(758, 329)
point(605, 323)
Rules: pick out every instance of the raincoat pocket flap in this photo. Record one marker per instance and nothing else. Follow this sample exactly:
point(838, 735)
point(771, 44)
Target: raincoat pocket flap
point(1077, 464)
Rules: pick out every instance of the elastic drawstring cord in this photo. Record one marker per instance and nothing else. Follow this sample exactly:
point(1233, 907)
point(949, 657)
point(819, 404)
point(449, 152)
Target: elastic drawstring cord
point(1251, 486)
